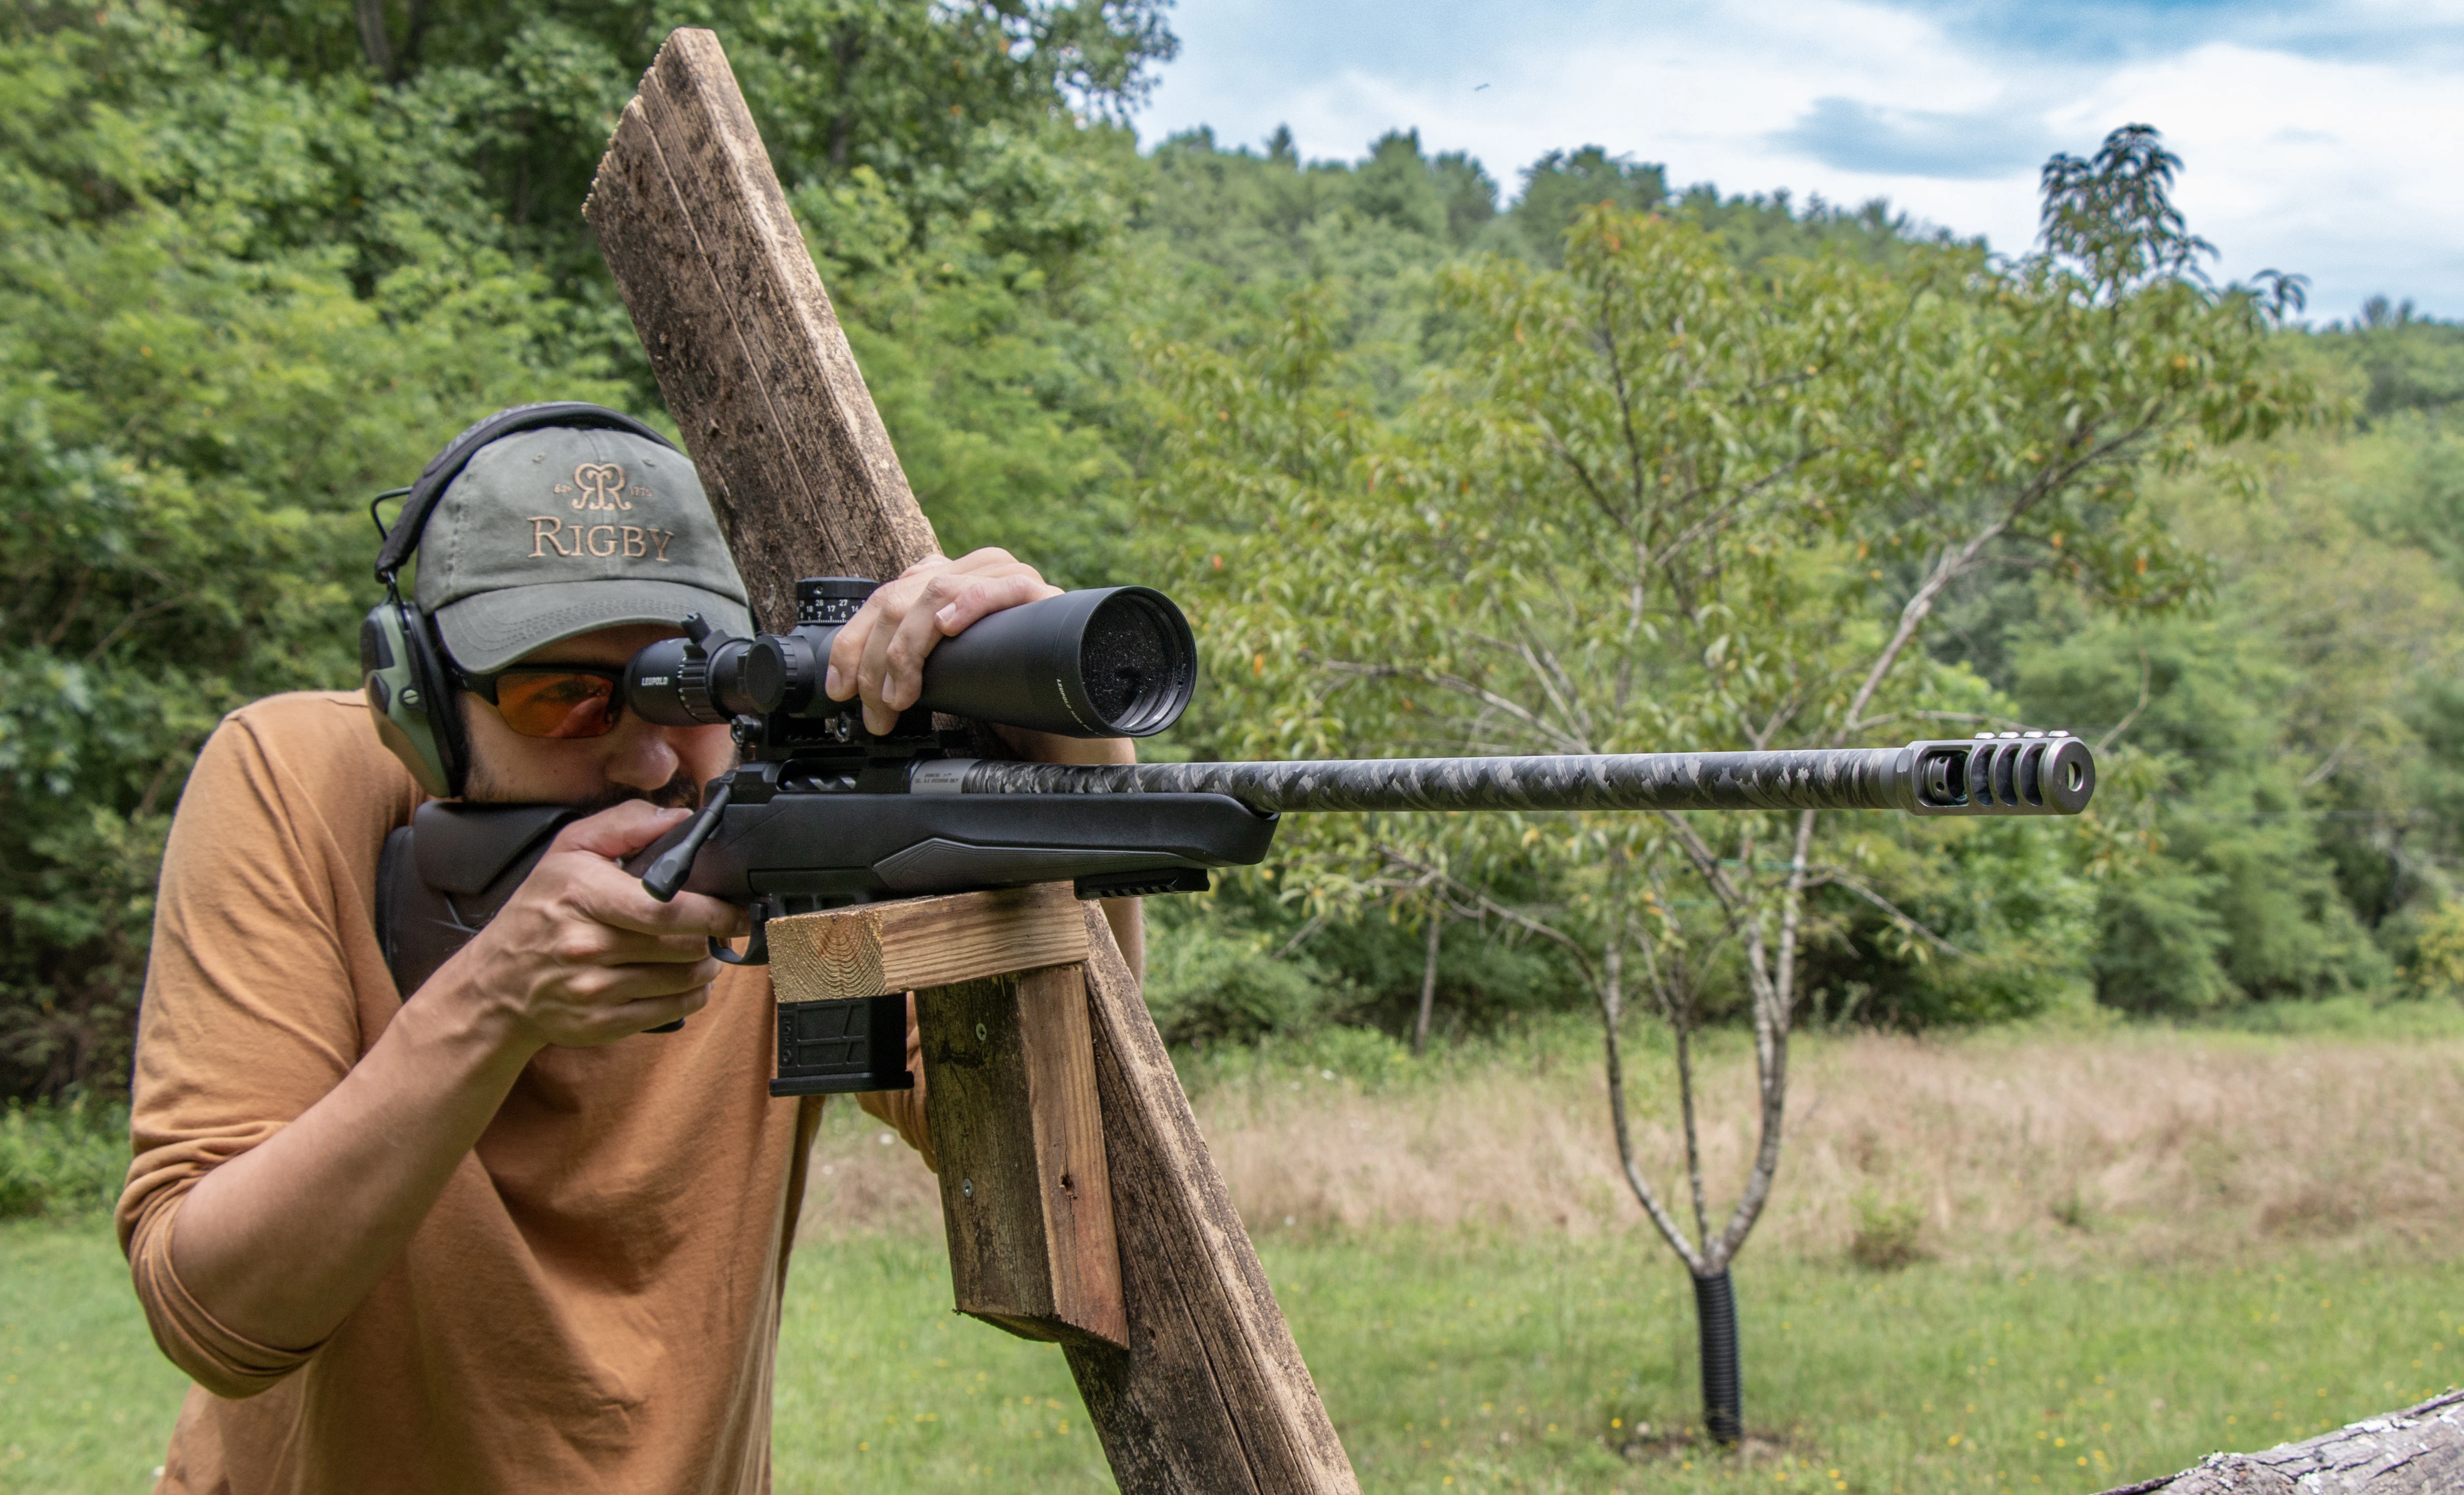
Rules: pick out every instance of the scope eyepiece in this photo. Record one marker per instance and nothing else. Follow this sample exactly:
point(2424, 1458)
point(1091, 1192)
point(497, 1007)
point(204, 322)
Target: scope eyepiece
point(782, 672)
point(1115, 662)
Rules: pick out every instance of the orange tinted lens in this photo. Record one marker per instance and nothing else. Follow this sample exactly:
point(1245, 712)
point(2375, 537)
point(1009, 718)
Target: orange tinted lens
point(557, 705)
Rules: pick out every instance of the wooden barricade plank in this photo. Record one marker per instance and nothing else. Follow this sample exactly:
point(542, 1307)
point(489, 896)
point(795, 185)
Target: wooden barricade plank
point(1026, 1190)
point(877, 948)
point(1210, 1393)
point(1000, 1003)
point(747, 350)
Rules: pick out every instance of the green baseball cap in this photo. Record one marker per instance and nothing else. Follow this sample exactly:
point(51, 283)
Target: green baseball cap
point(555, 532)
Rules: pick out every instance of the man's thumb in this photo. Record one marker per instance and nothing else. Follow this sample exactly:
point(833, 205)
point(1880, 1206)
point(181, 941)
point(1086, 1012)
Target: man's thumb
point(619, 831)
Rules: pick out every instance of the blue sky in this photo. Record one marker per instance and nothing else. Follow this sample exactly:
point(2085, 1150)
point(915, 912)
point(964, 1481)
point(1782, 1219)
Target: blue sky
point(2326, 139)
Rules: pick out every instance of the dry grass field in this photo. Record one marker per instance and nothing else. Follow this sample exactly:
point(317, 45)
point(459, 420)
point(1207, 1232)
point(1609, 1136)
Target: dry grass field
point(2048, 1259)
point(2145, 1145)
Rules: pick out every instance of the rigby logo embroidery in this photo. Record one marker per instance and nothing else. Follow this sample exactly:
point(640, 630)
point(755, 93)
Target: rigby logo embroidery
point(602, 485)
point(633, 541)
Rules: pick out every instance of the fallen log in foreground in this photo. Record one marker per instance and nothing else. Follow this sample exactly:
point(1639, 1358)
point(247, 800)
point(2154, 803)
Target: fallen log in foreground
point(2418, 1451)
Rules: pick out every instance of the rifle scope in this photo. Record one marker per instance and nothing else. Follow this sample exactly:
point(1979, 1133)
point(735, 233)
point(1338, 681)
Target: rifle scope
point(1114, 661)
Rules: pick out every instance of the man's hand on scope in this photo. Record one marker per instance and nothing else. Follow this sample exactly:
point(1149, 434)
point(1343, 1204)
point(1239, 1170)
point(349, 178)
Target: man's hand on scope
point(581, 955)
point(880, 654)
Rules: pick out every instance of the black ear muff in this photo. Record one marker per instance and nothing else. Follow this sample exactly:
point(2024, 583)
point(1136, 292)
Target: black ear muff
point(406, 675)
point(410, 696)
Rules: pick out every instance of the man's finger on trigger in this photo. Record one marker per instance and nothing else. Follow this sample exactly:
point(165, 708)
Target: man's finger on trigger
point(632, 947)
point(658, 982)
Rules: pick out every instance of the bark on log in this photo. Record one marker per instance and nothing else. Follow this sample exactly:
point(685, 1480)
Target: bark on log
point(2418, 1451)
point(1211, 1394)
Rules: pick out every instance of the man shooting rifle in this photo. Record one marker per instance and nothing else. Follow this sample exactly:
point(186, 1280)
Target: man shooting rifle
point(525, 1224)
point(504, 1231)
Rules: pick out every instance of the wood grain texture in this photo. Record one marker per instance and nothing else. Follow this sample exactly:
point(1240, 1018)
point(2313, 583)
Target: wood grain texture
point(912, 944)
point(747, 350)
point(2418, 1451)
point(1211, 1394)
point(1009, 1091)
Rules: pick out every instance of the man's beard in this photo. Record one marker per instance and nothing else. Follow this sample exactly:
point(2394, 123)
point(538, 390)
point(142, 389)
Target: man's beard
point(682, 791)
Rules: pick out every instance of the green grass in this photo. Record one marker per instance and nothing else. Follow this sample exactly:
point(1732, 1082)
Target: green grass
point(1493, 1364)
point(86, 1403)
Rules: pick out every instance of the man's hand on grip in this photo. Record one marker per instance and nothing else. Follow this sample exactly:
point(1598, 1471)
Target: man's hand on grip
point(581, 955)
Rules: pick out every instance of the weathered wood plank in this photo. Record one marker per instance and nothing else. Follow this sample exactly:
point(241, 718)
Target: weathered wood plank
point(747, 350)
point(2418, 1451)
point(1011, 1094)
point(1211, 1394)
point(877, 948)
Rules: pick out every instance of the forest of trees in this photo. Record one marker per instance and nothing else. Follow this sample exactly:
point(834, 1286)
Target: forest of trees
point(256, 262)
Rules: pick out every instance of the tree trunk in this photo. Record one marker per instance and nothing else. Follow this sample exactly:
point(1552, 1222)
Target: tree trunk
point(1428, 987)
point(1715, 1327)
point(2418, 1451)
point(373, 43)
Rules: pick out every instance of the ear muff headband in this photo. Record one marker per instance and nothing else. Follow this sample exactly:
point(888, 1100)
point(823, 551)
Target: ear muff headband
point(406, 676)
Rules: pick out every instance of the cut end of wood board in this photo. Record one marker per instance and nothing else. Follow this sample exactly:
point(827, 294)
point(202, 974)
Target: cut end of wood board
point(748, 353)
point(699, 39)
point(877, 948)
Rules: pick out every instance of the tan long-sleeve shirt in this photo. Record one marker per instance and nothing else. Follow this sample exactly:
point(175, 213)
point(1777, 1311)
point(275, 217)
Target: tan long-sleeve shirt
point(592, 1303)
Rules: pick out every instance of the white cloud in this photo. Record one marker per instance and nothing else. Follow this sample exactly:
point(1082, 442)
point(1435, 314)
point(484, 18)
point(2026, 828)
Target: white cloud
point(2336, 161)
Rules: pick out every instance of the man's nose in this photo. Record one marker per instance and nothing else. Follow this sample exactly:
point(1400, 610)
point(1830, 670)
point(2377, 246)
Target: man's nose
point(643, 758)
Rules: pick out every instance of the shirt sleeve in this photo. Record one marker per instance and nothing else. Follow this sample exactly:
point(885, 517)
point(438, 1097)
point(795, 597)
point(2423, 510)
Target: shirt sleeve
point(902, 1110)
point(263, 951)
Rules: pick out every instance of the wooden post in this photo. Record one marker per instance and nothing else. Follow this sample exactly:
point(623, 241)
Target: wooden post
point(1210, 1393)
point(749, 353)
point(1010, 1089)
point(1026, 1193)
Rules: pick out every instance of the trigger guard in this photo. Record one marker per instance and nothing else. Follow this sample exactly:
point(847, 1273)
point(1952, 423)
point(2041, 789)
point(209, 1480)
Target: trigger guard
point(756, 950)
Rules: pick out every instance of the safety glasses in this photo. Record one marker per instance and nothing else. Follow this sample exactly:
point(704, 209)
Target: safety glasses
point(553, 700)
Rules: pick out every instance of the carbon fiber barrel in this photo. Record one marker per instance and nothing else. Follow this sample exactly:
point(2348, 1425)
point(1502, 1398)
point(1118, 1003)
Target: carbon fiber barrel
point(2008, 774)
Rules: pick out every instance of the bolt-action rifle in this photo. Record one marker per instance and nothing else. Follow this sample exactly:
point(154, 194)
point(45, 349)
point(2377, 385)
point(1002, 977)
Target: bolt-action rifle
point(819, 812)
